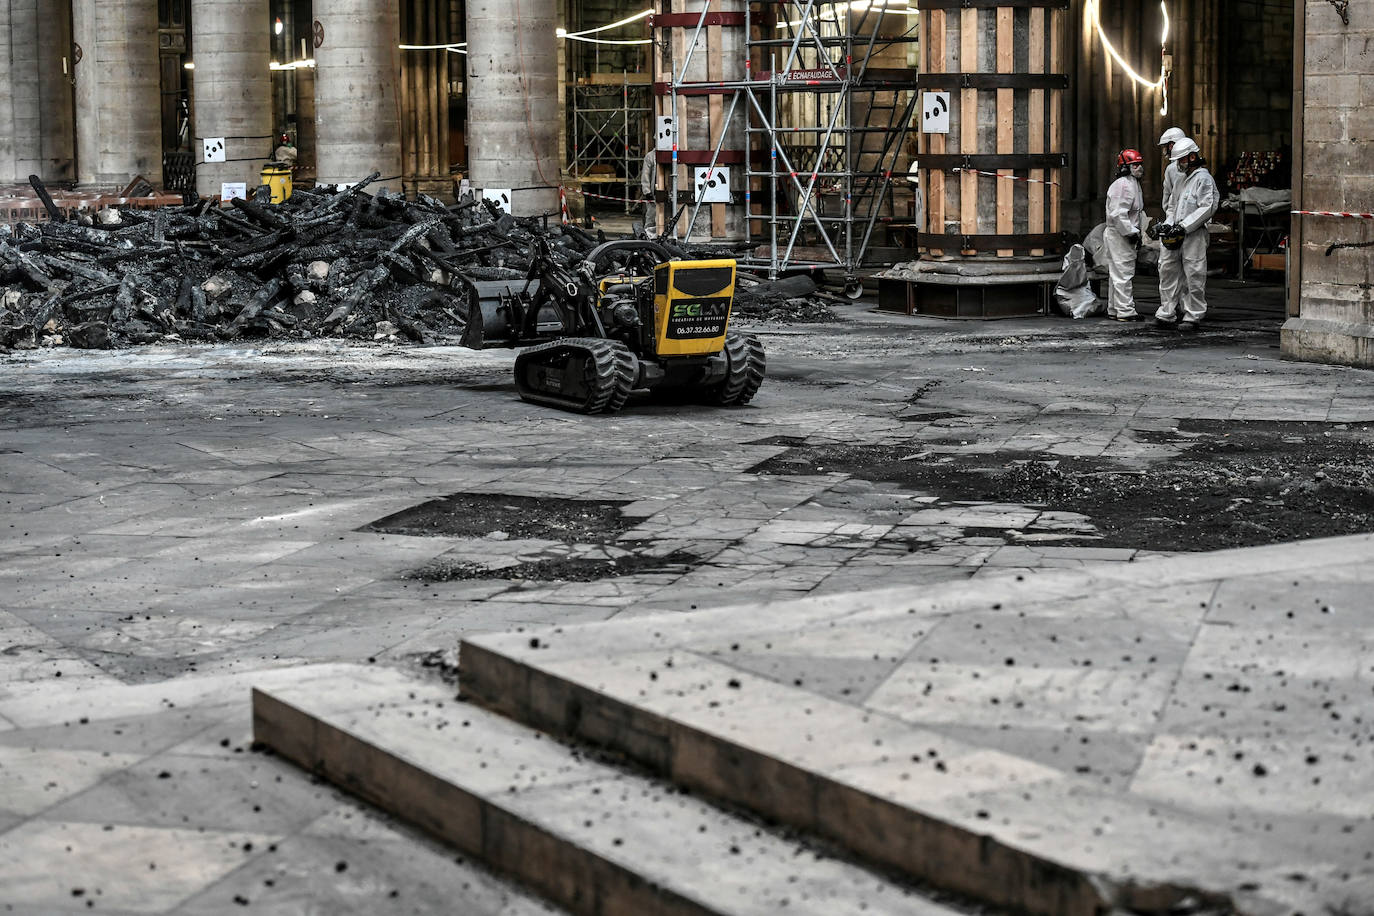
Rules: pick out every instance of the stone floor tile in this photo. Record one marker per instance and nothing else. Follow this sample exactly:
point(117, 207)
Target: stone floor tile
point(1019, 637)
point(34, 779)
point(1108, 699)
point(136, 869)
point(1284, 774)
point(46, 703)
point(389, 871)
point(137, 736)
point(252, 793)
point(1093, 756)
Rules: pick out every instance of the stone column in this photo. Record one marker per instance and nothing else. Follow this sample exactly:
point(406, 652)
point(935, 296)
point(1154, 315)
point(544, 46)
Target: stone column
point(35, 95)
point(563, 90)
point(57, 139)
point(118, 92)
point(513, 121)
point(357, 115)
point(232, 91)
point(1331, 294)
point(9, 32)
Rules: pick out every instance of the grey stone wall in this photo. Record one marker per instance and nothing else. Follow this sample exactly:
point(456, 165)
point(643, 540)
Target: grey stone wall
point(1259, 97)
point(1335, 323)
point(118, 92)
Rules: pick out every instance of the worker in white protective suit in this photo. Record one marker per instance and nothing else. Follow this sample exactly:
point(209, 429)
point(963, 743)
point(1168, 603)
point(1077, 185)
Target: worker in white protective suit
point(1125, 211)
point(1173, 176)
point(1171, 276)
point(1184, 237)
point(648, 179)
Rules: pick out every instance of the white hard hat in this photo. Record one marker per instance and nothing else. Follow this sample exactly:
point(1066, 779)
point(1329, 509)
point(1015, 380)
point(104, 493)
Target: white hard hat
point(1172, 135)
point(1182, 148)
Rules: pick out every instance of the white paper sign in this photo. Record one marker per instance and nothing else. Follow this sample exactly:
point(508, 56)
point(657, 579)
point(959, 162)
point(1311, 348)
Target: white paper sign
point(231, 190)
point(663, 136)
point(935, 112)
point(464, 187)
point(214, 149)
point(500, 196)
point(713, 185)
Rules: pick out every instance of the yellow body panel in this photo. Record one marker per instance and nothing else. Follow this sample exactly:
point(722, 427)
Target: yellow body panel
point(692, 301)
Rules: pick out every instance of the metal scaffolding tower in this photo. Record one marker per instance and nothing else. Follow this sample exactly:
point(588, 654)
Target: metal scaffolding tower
point(610, 123)
point(826, 104)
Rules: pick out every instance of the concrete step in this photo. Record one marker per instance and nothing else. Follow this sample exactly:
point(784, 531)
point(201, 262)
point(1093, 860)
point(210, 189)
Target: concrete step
point(984, 823)
point(586, 835)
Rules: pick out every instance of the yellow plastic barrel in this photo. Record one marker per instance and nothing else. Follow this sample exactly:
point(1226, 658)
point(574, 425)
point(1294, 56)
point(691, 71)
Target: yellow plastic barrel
point(277, 177)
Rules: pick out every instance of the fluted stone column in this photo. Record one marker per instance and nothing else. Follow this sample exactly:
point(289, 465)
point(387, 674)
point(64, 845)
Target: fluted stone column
point(118, 92)
point(357, 118)
point(513, 121)
point(232, 90)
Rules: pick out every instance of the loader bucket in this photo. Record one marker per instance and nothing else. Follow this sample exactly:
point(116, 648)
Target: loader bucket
point(494, 310)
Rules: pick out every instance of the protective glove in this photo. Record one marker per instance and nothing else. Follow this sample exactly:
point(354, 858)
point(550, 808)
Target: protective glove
point(1152, 230)
point(1171, 235)
point(1134, 239)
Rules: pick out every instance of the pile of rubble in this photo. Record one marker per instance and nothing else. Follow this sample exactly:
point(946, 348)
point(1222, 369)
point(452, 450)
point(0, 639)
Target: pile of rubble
point(328, 262)
point(792, 300)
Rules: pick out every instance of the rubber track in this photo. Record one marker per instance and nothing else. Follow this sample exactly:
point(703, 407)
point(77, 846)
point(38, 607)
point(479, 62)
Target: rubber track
point(613, 376)
point(747, 363)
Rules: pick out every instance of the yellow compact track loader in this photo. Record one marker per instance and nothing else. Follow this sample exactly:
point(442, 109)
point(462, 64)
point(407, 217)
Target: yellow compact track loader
point(625, 318)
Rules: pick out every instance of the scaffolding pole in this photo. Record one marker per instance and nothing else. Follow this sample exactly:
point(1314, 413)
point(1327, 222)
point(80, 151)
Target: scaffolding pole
point(610, 123)
point(824, 132)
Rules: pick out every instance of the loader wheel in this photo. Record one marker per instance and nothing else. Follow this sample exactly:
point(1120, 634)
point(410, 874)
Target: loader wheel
point(584, 374)
point(745, 358)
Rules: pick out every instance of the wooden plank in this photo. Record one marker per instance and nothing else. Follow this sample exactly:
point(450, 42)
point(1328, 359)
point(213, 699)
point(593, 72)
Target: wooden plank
point(1006, 138)
point(1035, 193)
point(1057, 65)
point(968, 121)
point(934, 44)
point(715, 70)
point(616, 79)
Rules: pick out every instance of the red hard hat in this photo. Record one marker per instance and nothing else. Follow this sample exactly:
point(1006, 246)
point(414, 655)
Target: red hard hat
point(1129, 157)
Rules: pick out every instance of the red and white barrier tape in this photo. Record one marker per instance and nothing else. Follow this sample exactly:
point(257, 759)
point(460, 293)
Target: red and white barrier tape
point(1331, 213)
point(1012, 177)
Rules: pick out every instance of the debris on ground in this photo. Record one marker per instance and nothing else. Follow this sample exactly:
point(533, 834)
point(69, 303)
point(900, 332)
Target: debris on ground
point(1232, 483)
point(331, 261)
point(794, 299)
